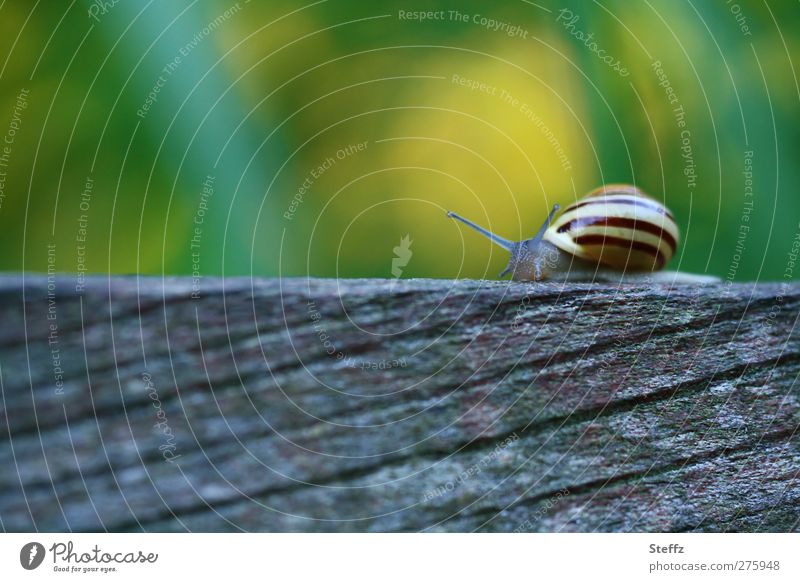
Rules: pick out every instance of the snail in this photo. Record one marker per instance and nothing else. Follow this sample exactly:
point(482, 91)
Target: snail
point(614, 233)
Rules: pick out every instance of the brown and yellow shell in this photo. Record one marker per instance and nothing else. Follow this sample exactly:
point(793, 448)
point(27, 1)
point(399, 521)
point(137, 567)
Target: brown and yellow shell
point(618, 226)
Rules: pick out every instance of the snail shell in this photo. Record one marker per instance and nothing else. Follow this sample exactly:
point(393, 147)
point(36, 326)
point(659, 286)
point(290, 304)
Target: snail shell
point(617, 226)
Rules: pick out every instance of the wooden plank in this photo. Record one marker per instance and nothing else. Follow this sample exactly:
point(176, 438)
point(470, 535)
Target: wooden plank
point(368, 405)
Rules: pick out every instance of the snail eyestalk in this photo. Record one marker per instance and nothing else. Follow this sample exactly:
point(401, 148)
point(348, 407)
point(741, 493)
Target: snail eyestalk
point(546, 224)
point(506, 244)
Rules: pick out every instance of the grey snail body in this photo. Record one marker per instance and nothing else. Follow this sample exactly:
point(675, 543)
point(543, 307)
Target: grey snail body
point(614, 233)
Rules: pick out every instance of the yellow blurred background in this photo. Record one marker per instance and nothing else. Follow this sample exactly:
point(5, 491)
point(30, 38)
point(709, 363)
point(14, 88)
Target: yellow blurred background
point(288, 138)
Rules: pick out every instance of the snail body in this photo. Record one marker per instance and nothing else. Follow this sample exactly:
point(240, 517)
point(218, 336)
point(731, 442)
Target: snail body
point(614, 233)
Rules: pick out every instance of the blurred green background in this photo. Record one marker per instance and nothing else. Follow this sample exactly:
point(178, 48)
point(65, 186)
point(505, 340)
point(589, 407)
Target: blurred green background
point(219, 137)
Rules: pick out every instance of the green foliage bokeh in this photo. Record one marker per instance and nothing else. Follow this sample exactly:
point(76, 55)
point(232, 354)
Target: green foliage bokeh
point(332, 130)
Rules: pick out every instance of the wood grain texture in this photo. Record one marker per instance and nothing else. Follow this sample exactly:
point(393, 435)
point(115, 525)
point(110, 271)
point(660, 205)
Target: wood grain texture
point(442, 406)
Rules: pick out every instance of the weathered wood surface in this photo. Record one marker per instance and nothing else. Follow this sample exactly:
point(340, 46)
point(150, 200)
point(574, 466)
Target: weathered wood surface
point(500, 407)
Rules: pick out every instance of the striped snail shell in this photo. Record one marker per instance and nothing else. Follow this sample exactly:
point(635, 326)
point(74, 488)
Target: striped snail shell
point(613, 230)
point(618, 226)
